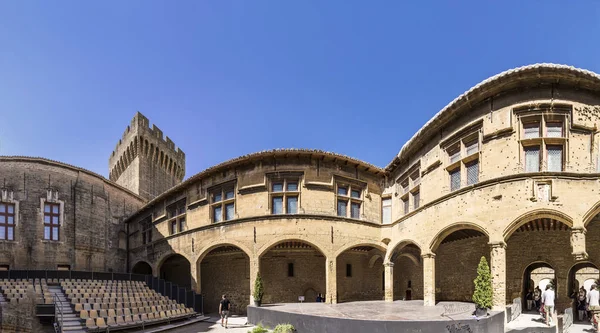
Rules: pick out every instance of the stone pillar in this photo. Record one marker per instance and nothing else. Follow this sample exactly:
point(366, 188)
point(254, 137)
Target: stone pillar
point(498, 270)
point(254, 269)
point(388, 268)
point(578, 243)
point(428, 279)
point(195, 272)
point(330, 281)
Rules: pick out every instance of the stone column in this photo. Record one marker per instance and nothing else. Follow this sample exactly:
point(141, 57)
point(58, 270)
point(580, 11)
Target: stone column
point(498, 270)
point(428, 279)
point(388, 268)
point(578, 243)
point(254, 269)
point(195, 271)
point(330, 281)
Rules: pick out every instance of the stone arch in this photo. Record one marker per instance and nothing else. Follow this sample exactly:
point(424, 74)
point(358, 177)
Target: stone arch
point(142, 267)
point(374, 259)
point(176, 268)
point(442, 234)
point(533, 215)
point(146, 147)
point(591, 214)
point(287, 238)
point(398, 246)
point(367, 243)
point(213, 245)
point(411, 257)
point(224, 268)
point(152, 152)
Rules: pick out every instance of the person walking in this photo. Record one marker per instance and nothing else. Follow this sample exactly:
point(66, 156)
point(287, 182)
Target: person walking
point(548, 300)
point(593, 299)
point(224, 310)
point(582, 304)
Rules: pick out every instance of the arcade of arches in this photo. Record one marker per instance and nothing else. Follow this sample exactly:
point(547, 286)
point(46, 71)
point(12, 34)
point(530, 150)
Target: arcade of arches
point(535, 252)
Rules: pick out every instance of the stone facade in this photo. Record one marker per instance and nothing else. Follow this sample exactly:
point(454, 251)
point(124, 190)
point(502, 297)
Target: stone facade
point(91, 230)
point(508, 171)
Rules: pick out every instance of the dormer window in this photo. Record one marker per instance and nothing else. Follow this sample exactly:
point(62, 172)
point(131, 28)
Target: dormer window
point(543, 139)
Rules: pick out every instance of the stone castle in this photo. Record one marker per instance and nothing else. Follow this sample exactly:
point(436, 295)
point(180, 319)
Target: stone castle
point(509, 170)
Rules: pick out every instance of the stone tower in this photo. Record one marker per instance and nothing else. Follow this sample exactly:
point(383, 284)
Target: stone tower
point(144, 162)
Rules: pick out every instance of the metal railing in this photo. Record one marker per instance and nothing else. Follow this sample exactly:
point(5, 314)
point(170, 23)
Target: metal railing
point(58, 308)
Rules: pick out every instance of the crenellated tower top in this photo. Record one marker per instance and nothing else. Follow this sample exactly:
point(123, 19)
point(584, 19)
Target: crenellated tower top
point(145, 162)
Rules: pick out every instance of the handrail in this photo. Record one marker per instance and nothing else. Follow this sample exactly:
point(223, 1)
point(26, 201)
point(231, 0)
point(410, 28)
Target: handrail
point(56, 306)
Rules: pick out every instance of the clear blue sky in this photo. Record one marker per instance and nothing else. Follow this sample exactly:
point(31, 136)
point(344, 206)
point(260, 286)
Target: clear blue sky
point(227, 78)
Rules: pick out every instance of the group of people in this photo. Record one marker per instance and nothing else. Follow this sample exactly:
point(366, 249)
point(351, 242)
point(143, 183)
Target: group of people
point(588, 304)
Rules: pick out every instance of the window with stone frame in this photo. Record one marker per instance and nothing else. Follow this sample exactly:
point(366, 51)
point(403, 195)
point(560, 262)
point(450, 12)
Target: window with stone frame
point(349, 200)
point(543, 139)
point(7, 221)
point(52, 221)
point(386, 210)
point(463, 160)
point(410, 182)
point(222, 203)
point(285, 195)
point(176, 213)
point(146, 228)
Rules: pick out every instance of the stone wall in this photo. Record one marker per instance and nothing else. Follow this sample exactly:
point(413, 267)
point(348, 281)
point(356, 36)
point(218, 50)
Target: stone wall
point(456, 268)
point(365, 282)
point(405, 270)
point(225, 274)
point(308, 279)
point(93, 211)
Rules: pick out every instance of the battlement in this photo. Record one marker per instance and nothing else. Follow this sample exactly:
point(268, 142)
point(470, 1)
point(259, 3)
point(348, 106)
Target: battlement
point(144, 146)
point(140, 126)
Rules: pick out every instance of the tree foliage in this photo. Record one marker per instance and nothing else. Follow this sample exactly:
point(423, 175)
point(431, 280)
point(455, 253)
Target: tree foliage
point(483, 285)
point(258, 288)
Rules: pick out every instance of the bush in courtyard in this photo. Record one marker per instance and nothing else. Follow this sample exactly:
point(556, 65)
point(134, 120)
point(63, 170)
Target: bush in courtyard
point(483, 286)
point(258, 329)
point(258, 289)
point(284, 328)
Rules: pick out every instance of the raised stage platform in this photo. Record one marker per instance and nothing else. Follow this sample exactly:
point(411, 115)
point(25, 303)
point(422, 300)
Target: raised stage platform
point(378, 317)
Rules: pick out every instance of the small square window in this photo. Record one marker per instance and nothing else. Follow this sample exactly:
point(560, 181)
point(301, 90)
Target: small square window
point(229, 194)
point(292, 187)
point(531, 130)
point(342, 191)
point(355, 194)
point(217, 197)
point(277, 187)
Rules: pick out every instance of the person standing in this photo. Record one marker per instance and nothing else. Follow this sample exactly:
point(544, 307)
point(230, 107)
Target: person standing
point(548, 301)
point(529, 298)
point(224, 310)
point(537, 293)
point(593, 299)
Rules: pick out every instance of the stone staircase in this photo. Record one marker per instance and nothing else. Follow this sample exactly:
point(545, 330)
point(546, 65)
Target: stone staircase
point(70, 321)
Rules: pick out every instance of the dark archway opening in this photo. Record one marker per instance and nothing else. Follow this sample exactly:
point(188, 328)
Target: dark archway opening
point(537, 276)
point(545, 242)
point(142, 267)
point(456, 261)
point(408, 273)
point(225, 270)
point(291, 269)
point(176, 269)
point(581, 277)
point(359, 272)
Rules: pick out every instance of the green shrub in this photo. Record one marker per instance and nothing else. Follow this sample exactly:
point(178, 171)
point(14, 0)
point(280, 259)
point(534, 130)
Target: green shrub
point(483, 286)
point(258, 329)
point(284, 328)
point(258, 288)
